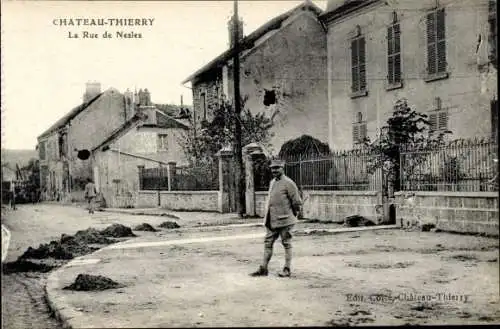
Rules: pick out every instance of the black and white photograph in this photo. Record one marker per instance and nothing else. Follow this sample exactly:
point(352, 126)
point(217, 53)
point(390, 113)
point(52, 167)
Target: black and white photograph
point(238, 163)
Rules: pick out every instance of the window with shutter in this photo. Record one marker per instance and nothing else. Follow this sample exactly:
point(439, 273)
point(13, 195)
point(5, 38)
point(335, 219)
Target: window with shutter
point(494, 119)
point(362, 132)
point(355, 133)
point(442, 120)
point(436, 42)
point(358, 64)
point(492, 37)
point(433, 121)
point(394, 54)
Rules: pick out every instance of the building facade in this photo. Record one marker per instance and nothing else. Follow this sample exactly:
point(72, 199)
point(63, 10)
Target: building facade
point(283, 74)
point(143, 142)
point(63, 167)
point(439, 55)
point(61, 170)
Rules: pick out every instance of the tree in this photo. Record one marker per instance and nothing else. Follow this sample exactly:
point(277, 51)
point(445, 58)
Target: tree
point(305, 146)
point(405, 128)
point(201, 144)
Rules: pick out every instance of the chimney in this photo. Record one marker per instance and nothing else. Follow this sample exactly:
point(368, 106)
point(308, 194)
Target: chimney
point(230, 26)
point(92, 89)
point(182, 103)
point(129, 104)
point(147, 97)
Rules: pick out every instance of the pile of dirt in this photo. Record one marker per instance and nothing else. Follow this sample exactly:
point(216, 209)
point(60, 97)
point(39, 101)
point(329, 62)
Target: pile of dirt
point(118, 231)
point(22, 265)
point(169, 225)
point(169, 215)
point(68, 249)
point(356, 220)
point(91, 236)
point(145, 227)
point(87, 282)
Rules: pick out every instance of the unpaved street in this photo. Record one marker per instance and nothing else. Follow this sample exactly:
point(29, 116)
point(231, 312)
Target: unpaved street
point(23, 305)
point(358, 278)
point(390, 277)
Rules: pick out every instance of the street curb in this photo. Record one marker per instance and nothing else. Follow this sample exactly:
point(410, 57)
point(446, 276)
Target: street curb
point(60, 311)
point(5, 242)
point(346, 229)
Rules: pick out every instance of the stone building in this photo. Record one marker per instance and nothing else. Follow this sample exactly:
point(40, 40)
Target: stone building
point(283, 74)
point(63, 169)
point(150, 139)
point(438, 54)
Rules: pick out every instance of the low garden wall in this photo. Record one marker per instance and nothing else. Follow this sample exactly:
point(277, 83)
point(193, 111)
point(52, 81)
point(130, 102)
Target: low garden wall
point(464, 212)
point(180, 200)
point(334, 205)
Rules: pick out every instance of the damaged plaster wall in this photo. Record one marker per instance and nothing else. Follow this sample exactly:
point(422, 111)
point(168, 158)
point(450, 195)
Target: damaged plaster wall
point(291, 62)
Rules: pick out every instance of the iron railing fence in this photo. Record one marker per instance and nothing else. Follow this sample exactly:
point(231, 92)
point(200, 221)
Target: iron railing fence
point(462, 165)
point(342, 170)
point(199, 178)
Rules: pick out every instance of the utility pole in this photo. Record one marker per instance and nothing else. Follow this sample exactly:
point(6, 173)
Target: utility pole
point(237, 147)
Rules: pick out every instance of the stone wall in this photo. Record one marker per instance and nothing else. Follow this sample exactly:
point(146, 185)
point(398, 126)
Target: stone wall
point(179, 200)
point(334, 205)
point(465, 212)
point(147, 199)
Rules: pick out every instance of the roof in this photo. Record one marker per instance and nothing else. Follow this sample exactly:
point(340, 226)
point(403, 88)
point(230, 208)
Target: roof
point(69, 116)
point(248, 42)
point(168, 122)
point(338, 10)
point(131, 123)
point(164, 120)
point(172, 109)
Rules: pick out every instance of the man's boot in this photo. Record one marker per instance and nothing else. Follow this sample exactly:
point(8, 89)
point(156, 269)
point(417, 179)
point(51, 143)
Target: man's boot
point(262, 271)
point(285, 273)
point(288, 261)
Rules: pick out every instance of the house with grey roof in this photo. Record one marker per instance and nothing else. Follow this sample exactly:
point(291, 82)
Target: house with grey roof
point(283, 75)
point(105, 121)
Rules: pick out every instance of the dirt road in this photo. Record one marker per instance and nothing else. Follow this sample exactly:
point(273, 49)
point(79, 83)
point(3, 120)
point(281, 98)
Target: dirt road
point(23, 304)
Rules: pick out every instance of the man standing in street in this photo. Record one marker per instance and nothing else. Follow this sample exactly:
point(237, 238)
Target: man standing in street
point(90, 194)
point(283, 205)
point(12, 194)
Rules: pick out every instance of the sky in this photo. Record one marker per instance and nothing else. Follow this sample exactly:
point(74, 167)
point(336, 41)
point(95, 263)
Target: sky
point(44, 71)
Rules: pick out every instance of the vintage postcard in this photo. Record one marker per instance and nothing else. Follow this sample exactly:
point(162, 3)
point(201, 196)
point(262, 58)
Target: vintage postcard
point(249, 163)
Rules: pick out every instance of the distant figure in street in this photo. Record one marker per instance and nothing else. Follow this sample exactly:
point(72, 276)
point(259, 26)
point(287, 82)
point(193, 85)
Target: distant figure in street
point(283, 206)
point(90, 194)
point(12, 195)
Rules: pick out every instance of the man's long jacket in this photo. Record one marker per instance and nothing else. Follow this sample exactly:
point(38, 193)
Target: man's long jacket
point(283, 202)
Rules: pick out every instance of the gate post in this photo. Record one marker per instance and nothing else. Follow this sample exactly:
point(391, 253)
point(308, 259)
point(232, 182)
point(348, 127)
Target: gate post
point(250, 151)
point(171, 166)
point(223, 198)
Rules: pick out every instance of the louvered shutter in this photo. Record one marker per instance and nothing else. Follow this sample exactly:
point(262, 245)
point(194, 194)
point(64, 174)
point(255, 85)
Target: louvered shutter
point(390, 58)
point(443, 120)
point(355, 133)
point(431, 43)
point(362, 132)
point(354, 65)
point(397, 50)
point(397, 68)
point(433, 121)
point(390, 69)
point(397, 38)
point(362, 66)
point(441, 41)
